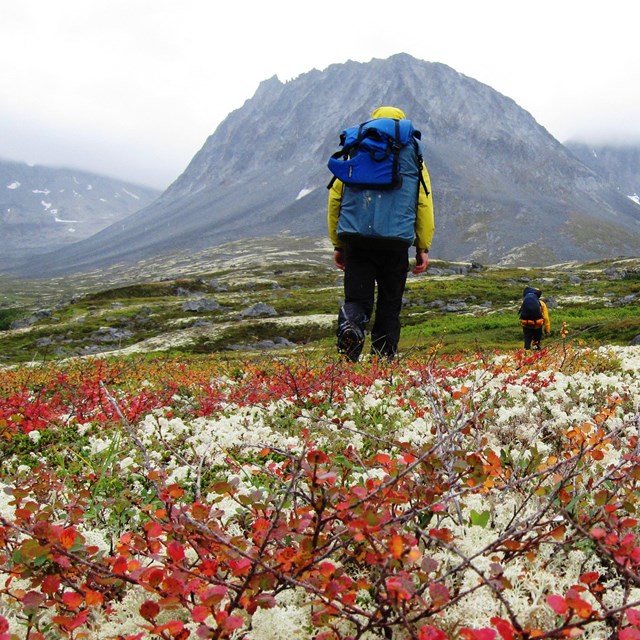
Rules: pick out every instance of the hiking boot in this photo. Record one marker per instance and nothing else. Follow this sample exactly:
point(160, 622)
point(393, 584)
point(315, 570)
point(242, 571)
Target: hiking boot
point(350, 341)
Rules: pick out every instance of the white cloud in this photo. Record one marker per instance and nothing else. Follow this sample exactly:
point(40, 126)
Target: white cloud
point(133, 89)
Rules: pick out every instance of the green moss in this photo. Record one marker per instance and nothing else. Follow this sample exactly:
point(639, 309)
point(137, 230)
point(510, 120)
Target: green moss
point(8, 316)
point(299, 288)
point(248, 333)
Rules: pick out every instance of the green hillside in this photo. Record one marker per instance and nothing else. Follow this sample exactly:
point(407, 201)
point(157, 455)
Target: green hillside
point(285, 295)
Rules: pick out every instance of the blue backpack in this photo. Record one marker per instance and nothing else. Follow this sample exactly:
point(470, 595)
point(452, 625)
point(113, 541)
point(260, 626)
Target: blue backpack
point(380, 166)
point(369, 157)
point(530, 308)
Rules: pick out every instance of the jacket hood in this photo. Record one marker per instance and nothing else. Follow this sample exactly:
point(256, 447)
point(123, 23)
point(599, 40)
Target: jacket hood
point(528, 290)
point(389, 112)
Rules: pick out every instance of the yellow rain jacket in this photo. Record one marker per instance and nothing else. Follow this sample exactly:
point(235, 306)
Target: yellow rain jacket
point(425, 222)
point(545, 317)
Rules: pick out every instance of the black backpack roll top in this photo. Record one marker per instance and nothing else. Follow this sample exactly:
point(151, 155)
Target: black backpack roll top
point(531, 310)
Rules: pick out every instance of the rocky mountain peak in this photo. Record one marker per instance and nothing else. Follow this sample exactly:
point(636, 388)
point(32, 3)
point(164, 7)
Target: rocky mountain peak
point(505, 190)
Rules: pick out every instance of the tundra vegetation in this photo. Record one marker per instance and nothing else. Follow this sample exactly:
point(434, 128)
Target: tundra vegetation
point(175, 468)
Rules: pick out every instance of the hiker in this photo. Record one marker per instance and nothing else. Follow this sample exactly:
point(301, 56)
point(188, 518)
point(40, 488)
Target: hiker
point(534, 316)
point(371, 230)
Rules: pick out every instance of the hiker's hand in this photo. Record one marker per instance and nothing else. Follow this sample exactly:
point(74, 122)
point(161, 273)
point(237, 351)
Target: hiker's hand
point(422, 262)
point(338, 258)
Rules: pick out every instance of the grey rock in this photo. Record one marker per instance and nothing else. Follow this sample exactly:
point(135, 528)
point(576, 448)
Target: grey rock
point(182, 292)
point(200, 305)
point(276, 343)
point(23, 323)
point(111, 334)
point(622, 302)
point(257, 310)
point(614, 273)
point(455, 306)
point(201, 323)
point(460, 270)
point(216, 286)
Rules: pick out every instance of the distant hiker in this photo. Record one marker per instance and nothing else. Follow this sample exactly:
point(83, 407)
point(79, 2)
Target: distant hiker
point(534, 316)
point(379, 205)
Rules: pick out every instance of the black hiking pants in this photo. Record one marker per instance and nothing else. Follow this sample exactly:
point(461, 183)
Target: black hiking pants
point(532, 338)
point(366, 267)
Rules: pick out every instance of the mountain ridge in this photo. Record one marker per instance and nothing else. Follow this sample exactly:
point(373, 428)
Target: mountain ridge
point(505, 190)
point(618, 163)
point(44, 208)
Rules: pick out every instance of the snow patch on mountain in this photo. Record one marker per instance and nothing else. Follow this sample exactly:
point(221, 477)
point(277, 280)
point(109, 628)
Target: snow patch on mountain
point(133, 195)
point(303, 193)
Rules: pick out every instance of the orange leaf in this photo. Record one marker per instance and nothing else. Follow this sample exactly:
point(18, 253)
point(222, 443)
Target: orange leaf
point(72, 600)
point(463, 391)
point(93, 598)
point(415, 554)
point(68, 537)
point(176, 491)
point(590, 577)
point(120, 565)
point(200, 511)
point(149, 609)
point(175, 551)
point(200, 613)
point(580, 606)
point(584, 609)
point(396, 546)
point(50, 584)
point(327, 569)
point(153, 529)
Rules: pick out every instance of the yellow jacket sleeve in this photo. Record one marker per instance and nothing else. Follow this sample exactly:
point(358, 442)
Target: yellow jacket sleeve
point(333, 212)
point(425, 219)
point(545, 317)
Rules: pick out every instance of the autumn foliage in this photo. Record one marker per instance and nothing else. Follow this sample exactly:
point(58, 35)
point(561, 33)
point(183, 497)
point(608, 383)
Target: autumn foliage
point(432, 498)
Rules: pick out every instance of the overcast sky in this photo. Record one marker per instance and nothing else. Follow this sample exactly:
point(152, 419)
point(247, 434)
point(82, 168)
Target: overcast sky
point(132, 88)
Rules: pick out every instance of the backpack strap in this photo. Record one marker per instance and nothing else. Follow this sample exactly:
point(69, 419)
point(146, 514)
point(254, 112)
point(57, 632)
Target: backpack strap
point(418, 136)
point(422, 180)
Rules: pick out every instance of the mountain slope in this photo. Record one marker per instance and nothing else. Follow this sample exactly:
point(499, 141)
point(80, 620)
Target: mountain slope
point(44, 207)
point(618, 164)
point(504, 189)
